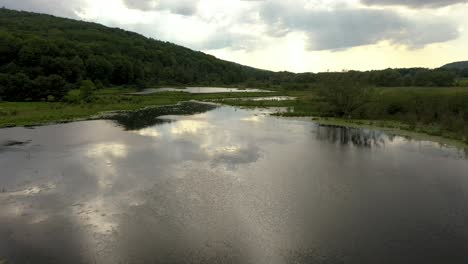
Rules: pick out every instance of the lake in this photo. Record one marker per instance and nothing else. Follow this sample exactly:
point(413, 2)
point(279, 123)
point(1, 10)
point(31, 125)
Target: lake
point(200, 90)
point(267, 98)
point(228, 186)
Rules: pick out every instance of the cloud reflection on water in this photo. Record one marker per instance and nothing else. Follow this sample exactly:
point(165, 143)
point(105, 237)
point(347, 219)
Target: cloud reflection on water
point(214, 188)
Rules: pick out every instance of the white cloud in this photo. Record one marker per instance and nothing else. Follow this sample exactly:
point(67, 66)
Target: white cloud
point(281, 35)
point(53, 7)
point(182, 7)
point(415, 3)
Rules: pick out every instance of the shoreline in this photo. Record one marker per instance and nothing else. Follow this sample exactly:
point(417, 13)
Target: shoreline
point(393, 127)
point(411, 134)
point(389, 127)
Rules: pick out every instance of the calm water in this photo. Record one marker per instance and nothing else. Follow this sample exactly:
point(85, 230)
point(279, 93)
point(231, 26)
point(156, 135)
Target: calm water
point(267, 98)
point(229, 186)
point(199, 90)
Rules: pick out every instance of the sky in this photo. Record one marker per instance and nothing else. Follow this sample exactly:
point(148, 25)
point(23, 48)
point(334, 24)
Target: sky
point(289, 35)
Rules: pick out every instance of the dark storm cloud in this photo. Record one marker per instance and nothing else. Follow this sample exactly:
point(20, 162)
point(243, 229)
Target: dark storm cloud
point(53, 7)
point(345, 27)
point(181, 7)
point(415, 3)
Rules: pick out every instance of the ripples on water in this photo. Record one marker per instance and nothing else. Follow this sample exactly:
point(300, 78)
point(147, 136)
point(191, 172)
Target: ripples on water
point(228, 185)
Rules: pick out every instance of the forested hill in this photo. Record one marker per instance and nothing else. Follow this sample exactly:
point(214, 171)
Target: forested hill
point(43, 55)
point(460, 65)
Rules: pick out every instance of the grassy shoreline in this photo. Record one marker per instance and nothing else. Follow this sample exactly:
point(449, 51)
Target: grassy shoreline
point(14, 114)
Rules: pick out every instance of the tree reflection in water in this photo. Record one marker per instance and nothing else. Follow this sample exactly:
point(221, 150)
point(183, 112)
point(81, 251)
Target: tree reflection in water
point(353, 136)
point(367, 138)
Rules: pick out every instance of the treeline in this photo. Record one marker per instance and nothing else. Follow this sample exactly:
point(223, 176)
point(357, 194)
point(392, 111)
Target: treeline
point(43, 57)
point(409, 77)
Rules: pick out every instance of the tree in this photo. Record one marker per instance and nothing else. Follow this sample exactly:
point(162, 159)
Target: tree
point(15, 86)
point(123, 70)
point(345, 94)
point(53, 85)
point(9, 47)
point(74, 69)
point(99, 68)
point(33, 49)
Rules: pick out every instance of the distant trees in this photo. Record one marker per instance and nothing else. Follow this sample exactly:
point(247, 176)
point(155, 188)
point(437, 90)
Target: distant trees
point(44, 86)
point(18, 87)
point(434, 78)
point(412, 77)
point(9, 47)
point(388, 78)
point(99, 68)
point(123, 70)
point(15, 86)
point(464, 73)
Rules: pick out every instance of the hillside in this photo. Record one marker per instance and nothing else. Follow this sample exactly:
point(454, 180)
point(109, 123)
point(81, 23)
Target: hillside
point(457, 65)
point(44, 55)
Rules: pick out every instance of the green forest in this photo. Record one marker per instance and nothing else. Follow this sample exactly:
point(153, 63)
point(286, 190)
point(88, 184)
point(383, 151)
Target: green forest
point(43, 57)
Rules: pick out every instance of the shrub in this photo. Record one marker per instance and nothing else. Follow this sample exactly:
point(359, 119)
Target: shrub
point(73, 97)
point(87, 90)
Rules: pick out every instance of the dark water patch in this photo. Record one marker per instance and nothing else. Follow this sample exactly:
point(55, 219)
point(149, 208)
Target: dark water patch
point(134, 120)
point(11, 143)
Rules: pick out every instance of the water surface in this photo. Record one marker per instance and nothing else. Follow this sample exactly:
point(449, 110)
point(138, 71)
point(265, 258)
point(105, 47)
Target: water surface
point(228, 186)
point(266, 98)
point(200, 90)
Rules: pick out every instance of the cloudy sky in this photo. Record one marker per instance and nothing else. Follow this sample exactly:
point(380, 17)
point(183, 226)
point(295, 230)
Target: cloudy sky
point(293, 35)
